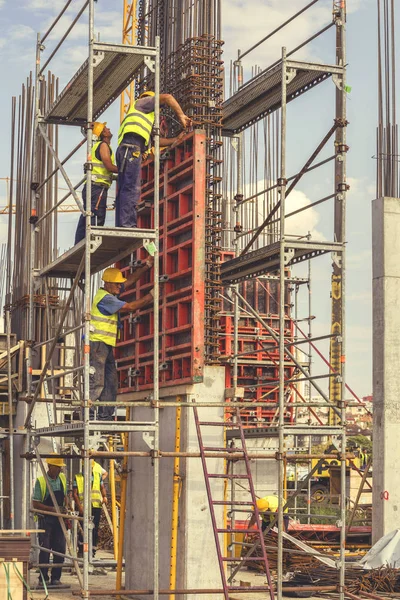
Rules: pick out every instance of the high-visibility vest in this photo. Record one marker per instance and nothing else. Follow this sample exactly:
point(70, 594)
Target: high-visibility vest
point(100, 174)
point(96, 492)
point(138, 123)
point(103, 328)
point(273, 505)
point(43, 485)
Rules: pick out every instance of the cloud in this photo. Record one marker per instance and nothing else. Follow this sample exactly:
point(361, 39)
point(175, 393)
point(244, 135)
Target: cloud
point(21, 32)
point(241, 27)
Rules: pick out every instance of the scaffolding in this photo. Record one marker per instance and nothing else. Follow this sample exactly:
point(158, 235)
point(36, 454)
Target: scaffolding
point(106, 73)
point(83, 101)
point(264, 249)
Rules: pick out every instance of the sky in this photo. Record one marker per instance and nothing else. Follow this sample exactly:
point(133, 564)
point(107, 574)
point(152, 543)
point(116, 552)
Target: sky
point(309, 118)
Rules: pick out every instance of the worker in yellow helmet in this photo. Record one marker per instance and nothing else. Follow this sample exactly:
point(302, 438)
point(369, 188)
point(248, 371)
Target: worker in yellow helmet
point(268, 507)
point(104, 329)
point(52, 538)
point(134, 138)
point(103, 167)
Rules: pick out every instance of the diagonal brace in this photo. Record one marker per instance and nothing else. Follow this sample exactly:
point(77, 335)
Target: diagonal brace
point(55, 340)
point(337, 123)
point(59, 164)
point(291, 356)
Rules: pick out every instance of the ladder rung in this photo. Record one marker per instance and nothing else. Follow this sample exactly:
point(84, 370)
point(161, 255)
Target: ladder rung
point(232, 503)
point(233, 450)
point(227, 476)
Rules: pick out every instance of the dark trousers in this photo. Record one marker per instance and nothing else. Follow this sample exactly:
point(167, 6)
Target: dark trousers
point(129, 162)
point(103, 381)
point(53, 539)
point(98, 206)
point(96, 514)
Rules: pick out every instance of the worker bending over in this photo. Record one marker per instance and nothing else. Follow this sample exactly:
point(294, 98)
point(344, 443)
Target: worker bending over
point(104, 329)
point(268, 509)
point(53, 537)
point(99, 497)
point(134, 139)
point(103, 166)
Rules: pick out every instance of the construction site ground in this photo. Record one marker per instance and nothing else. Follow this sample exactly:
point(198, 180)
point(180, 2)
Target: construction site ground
point(107, 582)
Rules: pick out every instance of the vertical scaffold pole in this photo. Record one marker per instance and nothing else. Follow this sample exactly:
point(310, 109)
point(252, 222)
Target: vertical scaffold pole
point(156, 316)
point(86, 356)
point(281, 422)
point(339, 270)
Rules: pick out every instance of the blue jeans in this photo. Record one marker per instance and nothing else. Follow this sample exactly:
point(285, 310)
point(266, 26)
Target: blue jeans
point(129, 162)
point(103, 382)
point(98, 206)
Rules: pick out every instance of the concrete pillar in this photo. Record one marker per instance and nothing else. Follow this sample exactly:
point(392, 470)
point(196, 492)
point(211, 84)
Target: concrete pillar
point(386, 365)
point(197, 565)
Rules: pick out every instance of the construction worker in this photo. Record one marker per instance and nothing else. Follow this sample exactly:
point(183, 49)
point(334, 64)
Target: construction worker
point(268, 507)
point(99, 497)
point(103, 166)
point(53, 537)
point(133, 139)
point(104, 328)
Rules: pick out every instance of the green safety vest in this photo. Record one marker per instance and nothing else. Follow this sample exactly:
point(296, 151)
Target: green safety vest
point(96, 493)
point(138, 123)
point(103, 328)
point(100, 174)
point(43, 485)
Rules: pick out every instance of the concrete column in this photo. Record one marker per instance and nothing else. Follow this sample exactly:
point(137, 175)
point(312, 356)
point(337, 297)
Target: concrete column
point(386, 365)
point(197, 565)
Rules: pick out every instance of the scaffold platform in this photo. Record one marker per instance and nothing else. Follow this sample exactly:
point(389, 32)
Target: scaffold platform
point(266, 259)
point(115, 67)
point(77, 428)
point(262, 95)
point(108, 246)
point(267, 432)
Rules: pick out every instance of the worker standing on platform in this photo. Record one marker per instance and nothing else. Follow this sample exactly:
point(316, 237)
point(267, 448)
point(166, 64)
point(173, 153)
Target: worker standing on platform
point(133, 139)
point(99, 497)
point(104, 328)
point(53, 537)
point(268, 508)
point(103, 166)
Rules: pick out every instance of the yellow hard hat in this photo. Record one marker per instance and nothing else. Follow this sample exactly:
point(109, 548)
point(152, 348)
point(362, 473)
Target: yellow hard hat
point(98, 128)
point(148, 93)
point(57, 462)
point(262, 504)
point(112, 275)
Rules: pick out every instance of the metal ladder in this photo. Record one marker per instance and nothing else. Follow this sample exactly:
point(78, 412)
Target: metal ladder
point(212, 502)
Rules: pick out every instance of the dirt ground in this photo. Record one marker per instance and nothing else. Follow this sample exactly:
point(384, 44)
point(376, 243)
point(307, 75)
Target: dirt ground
point(107, 582)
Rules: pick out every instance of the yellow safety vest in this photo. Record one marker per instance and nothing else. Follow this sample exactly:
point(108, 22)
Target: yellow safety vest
point(103, 328)
point(100, 174)
point(43, 485)
point(273, 502)
point(96, 493)
point(138, 123)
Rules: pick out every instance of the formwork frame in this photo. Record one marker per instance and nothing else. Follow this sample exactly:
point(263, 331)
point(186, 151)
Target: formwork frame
point(280, 252)
point(101, 248)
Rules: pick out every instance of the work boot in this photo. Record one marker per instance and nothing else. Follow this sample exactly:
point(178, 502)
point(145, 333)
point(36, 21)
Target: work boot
point(55, 582)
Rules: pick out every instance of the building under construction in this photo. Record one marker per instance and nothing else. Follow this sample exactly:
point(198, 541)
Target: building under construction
point(212, 376)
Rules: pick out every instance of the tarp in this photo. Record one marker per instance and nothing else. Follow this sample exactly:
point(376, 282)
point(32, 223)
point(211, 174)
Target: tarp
point(386, 552)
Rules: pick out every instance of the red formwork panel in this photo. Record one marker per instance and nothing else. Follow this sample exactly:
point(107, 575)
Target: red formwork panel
point(182, 260)
point(258, 365)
